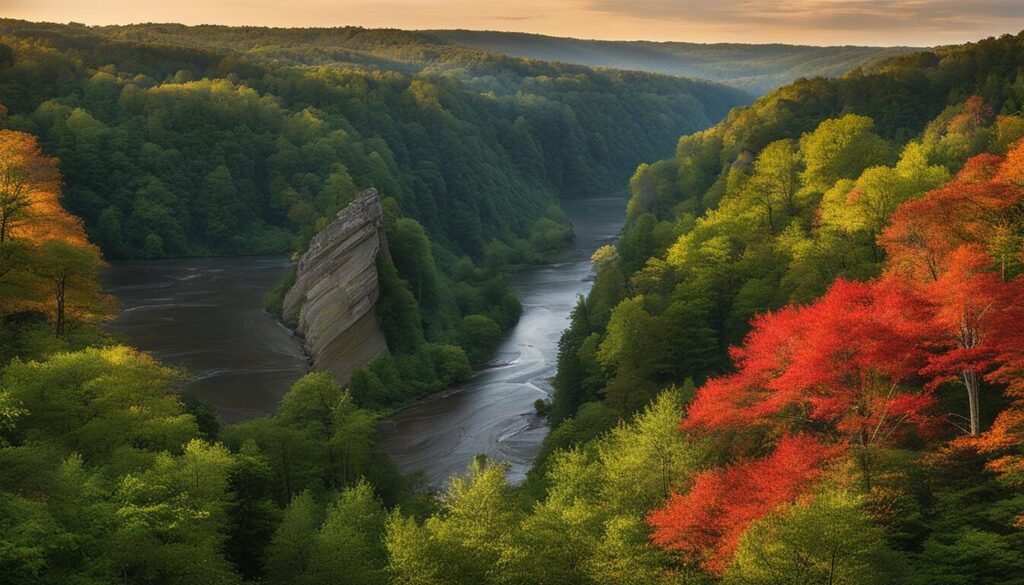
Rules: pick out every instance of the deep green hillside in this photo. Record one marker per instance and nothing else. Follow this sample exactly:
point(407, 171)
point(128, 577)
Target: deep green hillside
point(181, 140)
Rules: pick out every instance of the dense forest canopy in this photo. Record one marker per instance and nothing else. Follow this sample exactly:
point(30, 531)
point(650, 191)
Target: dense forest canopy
point(757, 69)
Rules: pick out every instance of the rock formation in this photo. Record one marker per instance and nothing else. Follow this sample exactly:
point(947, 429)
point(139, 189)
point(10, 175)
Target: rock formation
point(334, 299)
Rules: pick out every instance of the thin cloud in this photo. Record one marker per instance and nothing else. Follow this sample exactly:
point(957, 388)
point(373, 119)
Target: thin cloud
point(842, 15)
point(871, 22)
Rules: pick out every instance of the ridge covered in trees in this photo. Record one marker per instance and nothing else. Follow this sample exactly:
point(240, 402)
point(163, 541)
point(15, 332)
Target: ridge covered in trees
point(757, 69)
point(180, 140)
point(838, 269)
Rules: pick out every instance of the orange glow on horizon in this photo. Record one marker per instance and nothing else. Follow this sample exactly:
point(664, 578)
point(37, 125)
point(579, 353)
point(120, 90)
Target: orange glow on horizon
point(819, 22)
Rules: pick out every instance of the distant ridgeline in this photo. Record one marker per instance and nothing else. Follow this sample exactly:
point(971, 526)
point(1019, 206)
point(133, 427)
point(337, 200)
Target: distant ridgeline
point(754, 68)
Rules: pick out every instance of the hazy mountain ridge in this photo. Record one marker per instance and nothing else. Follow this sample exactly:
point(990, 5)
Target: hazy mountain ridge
point(751, 67)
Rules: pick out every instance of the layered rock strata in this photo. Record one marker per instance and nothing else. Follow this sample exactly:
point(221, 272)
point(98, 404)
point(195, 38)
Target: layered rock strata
point(333, 302)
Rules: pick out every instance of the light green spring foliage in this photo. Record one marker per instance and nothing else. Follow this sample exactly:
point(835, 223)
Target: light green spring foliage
point(343, 544)
point(593, 521)
point(645, 460)
point(864, 206)
point(841, 148)
point(591, 528)
point(349, 548)
point(131, 492)
point(774, 186)
point(828, 538)
point(463, 543)
point(101, 403)
point(288, 554)
point(171, 519)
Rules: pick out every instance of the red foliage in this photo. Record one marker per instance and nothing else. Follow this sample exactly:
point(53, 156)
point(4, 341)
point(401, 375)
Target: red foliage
point(975, 208)
point(858, 366)
point(949, 242)
point(980, 169)
point(706, 523)
point(976, 114)
point(836, 366)
point(978, 316)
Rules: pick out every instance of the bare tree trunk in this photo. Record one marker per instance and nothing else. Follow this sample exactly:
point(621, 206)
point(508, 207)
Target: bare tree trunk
point(61, 288)
point(864, 461)
point(971, 381)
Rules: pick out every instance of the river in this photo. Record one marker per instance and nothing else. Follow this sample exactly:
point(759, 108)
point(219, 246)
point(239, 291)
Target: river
point(494, 413)
point(205, 315)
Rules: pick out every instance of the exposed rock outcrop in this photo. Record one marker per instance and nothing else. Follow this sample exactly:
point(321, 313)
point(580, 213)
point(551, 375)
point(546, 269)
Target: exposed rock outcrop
point(334, 299)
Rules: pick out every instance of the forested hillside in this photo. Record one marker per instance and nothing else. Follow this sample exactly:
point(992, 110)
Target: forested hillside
point(211, 140)
point(757, 69)
point(833, 276)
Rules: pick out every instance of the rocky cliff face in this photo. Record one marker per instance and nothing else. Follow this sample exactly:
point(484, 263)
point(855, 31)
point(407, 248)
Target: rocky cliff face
point(333, 302)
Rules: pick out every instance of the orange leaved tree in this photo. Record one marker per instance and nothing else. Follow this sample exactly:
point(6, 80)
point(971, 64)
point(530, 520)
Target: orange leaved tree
point(46, 261)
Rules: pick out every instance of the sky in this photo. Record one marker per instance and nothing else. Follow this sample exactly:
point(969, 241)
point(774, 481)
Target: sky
point(815, 22)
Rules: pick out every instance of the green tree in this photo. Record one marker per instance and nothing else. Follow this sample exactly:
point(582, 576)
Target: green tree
point(464, 543)
point(775, 183)
point(826, 539)
point(840, 148)
point(349, 548)
point(864, 206)
point(172, 519)
point(100, 403)
point(290, 552)
point(480, 334)
point(68, 273)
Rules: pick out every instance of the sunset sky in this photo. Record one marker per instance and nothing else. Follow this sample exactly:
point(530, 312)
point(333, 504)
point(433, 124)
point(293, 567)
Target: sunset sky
point(819, 22)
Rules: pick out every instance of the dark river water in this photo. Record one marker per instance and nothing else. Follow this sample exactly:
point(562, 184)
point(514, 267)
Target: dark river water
point(205, 315)
point(493, 413)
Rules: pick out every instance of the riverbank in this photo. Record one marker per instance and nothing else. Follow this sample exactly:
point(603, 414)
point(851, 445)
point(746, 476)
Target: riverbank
point(493, 413)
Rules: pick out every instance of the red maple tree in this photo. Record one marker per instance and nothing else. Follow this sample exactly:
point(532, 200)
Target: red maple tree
point(836, 367)
point(976, 322)
point(958, 244)
point(706, 523)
